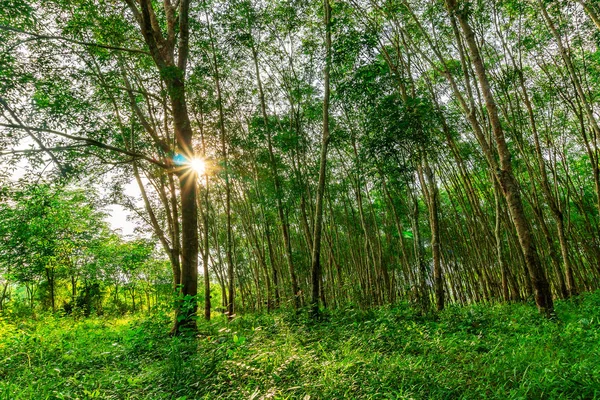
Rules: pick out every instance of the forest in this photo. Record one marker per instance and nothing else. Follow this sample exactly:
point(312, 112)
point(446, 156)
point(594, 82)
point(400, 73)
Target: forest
point(281, 199)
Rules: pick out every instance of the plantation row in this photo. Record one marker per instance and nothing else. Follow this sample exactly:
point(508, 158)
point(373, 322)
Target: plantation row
point(308, 153)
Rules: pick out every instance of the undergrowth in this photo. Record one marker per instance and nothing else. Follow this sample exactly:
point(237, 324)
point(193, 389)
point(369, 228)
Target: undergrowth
point(475, 352)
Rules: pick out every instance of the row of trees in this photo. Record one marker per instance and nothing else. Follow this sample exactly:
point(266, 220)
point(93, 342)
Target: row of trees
point(56, 250)
point(360, 151)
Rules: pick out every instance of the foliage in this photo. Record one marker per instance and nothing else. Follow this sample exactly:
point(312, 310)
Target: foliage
point(57, 249)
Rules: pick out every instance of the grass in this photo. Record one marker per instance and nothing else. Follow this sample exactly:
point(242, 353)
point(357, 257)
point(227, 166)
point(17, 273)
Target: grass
point(476, 352)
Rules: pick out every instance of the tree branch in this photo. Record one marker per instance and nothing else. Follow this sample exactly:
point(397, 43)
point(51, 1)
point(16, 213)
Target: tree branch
point(91, 142)
point(46, 149)
point(14, 115)
point(55, 37)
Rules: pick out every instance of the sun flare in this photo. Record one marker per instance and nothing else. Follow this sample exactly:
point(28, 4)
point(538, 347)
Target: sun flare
point(198, 165)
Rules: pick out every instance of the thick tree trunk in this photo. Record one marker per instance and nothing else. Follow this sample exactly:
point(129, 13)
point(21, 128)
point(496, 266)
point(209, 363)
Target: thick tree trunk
point(189, 210)
point(172, 71)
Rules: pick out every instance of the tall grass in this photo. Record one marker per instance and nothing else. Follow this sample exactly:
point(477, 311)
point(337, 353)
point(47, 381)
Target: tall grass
point(476, 352)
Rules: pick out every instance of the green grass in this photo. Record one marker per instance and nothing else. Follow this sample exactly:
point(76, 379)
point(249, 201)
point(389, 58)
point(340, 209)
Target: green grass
point(477, 352)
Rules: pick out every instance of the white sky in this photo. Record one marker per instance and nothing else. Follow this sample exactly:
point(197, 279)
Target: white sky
point(118, 216)
point(118, 219)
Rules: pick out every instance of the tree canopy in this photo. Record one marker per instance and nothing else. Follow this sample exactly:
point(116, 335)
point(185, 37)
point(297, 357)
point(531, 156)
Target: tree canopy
point(355, 152)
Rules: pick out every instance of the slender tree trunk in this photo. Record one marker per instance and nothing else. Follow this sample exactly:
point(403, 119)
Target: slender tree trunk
point(50, 278)
point(3, 297)
point(133, 299)
point(228, 243)
point(433, 199)
point(278, 193)
point(272, 262)
point(498, 236)
point(422, 290)
point(204, 213)
point(73, 288)
point(316, 250)
point(589, 9)
point(506, 178)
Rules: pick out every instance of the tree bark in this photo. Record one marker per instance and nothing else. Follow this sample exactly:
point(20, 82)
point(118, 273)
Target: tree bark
point(316, 250)
point(172, 72)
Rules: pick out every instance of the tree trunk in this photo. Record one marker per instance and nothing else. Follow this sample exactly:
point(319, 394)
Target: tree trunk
point(3, 296)
point(278, 193)
point(228, 243)
point(316, 250)
point(172, 71)
point(506, 178)
point(433, 199)
point(50, 278)
point(189, 211)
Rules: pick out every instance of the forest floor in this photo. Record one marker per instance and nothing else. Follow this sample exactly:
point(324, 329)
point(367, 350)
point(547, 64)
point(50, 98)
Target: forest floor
point(475, 352)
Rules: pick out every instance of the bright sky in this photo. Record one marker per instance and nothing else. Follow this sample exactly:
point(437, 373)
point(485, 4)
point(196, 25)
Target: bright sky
point(118, 216)
point(117, 219)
